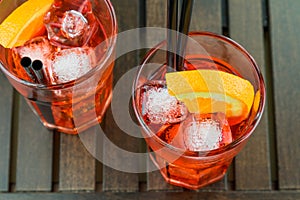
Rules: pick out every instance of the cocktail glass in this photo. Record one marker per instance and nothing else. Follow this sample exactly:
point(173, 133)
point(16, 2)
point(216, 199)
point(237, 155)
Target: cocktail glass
point(165, 121)
point(75, 104)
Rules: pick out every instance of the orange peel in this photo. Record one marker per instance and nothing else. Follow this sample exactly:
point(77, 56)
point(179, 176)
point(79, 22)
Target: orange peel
point(23, 23)
point(211, 91)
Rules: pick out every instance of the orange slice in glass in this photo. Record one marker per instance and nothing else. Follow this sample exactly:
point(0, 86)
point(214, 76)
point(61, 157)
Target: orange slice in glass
point(211, 91)
point(23, 23)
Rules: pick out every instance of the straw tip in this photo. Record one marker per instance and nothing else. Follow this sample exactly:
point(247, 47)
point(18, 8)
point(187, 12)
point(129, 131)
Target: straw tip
point(25, 61)
point(37, 65)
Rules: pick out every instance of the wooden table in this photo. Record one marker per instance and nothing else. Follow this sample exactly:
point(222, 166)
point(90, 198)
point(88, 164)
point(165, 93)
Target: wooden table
point(39, 164)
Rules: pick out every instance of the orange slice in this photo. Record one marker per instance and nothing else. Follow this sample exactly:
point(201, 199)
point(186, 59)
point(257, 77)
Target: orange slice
point(210, 91)
point(23, 23)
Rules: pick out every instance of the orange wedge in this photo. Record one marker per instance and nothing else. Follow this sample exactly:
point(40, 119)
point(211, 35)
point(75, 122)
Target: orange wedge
point(210, 91)
point(23, 23)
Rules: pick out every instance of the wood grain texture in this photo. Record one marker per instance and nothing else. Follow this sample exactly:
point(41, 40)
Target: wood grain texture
point(207, 16)
point(34, 152)
point(190, 195)
point(220, 185)
point(156, 13)
point(155, 181)
point(246, 27)
point(76, 176)
point(76, 165)
point(113, 179)
point(6, 103)
point(285, 40)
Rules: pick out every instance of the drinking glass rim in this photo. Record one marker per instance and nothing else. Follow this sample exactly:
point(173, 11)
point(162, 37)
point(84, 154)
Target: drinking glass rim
point(112, 44)
point(218, 151)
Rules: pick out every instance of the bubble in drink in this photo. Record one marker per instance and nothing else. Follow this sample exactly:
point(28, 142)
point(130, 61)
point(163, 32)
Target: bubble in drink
point(158, 107)
point(70, 23)
point(70, 64)
point(206, 132)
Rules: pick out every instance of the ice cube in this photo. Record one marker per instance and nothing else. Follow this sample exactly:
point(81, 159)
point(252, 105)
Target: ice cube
point(38, 48)
point(158, 107)
point(70, 23)
point(205, 132)
point(74, 24)
point(70, 64)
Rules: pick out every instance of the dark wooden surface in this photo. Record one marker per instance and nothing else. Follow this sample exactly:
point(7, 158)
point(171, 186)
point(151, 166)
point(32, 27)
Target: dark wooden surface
point(246, 27)
point(39, 164)
point(33, 152)
point(286, 73)
point(6, 110)
point(115, 180)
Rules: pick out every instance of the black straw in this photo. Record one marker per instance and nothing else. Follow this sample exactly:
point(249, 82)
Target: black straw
point(37, 66)
point(185, 19)
point(172, 6)
point(26, 64)
point(34, 70)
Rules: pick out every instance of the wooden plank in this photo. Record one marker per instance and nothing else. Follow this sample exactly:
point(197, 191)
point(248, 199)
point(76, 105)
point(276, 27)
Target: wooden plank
point(34, 152)
point(207, 16)
point(246, 27)
point(155, 13)
point(155, 181)
point(246, 195)
point(115, 179)
point(6, 103)
point(76, 164)
point(156, 17)
point(128, 17)
point(284, 17)
point(217, 186)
